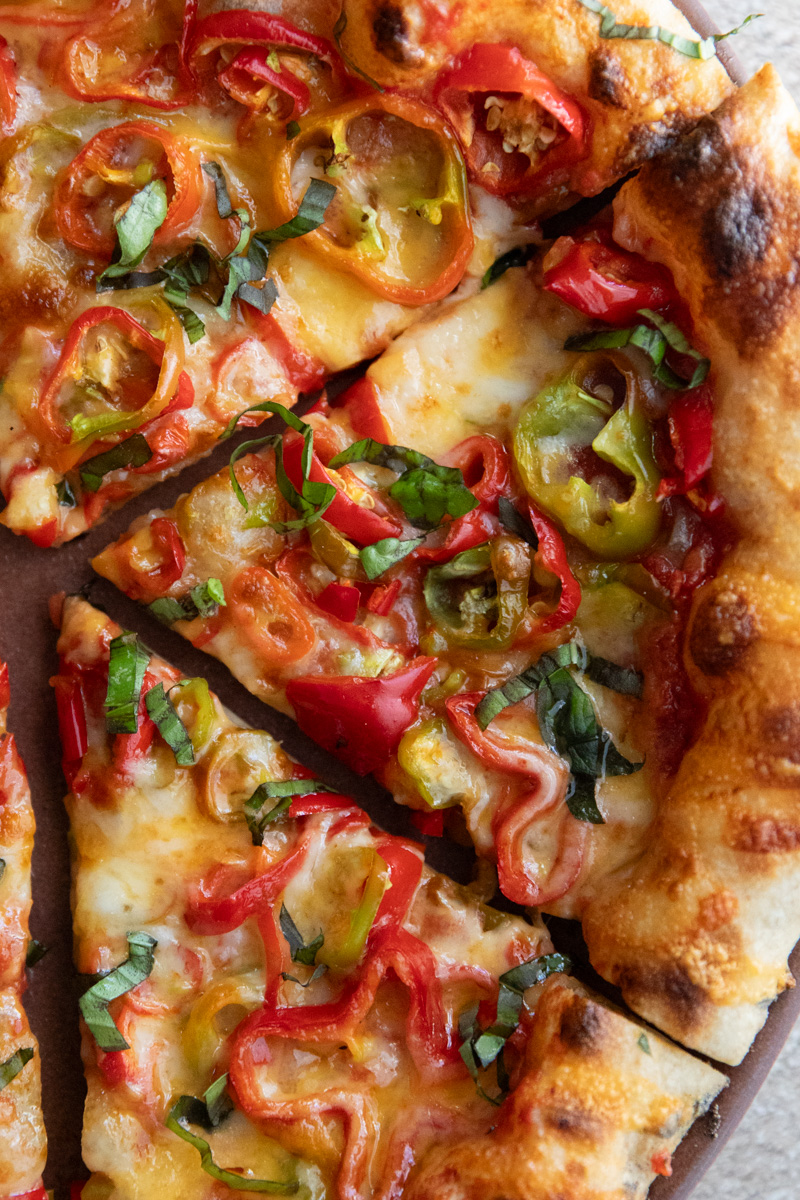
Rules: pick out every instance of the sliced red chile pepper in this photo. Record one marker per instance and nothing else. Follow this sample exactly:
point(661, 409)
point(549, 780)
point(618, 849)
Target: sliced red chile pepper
point(518, 129)
point(691, 433)
point(340, 600)
point(553, 555)
point(360, 402)
point(602, 281)
point(8, 86)
point(360, 720)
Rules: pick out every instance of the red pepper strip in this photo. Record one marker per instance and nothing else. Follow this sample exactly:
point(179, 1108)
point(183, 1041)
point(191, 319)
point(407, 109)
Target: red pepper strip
point(41, 1194)
point(602, 281)
point(73, 201)
point(208, 914)
point(304, 371)
point(359, 720)
point(492, 68)
point(430, 824)
point(71, 721)
point(130, 748)
point(67, 365)
point(13, 780)
point(553, 555)
point(8, 86)
point(691, 431)
point(405, 861)
point(290, 569)
point(5, 690)
point(362, 525)
point(361, 404)
point(242, 27)
point(512, 822)
point(168, 541)
point(382, 598)
point(340, 600)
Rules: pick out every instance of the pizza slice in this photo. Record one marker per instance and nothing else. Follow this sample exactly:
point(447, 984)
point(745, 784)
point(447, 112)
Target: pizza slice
point(22, 1134)
point(287, 1000)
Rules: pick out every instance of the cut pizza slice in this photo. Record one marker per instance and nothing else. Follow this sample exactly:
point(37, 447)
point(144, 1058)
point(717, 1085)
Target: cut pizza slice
point(22, 1134)
point(287, 1000)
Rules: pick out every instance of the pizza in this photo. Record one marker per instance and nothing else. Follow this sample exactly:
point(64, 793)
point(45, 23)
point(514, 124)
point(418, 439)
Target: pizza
point(532, 564)
point(282, 998)
point(22, 1135)
point(202, 206)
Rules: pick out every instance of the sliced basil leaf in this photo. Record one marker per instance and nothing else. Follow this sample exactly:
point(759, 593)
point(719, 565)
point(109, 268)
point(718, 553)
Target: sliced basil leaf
point(241, 270)
point(535, 971)
point(184, 272)
point(35, 952)
point(654, 343)
point(127, 664)
point(338, 30)
point(309, 216)
point(208, 597)
point(128, 975)
point(282, 790)
point(581, 801)
point(261, 298)
point(426, 491)
point(520, 256)
point(523, 685)
point(203, 600)
point(302, 952)
point(133, 452)
point(624, 680)
point(193, 324)
point(217, 176)
point(705, 49)
point(11, 1068)
point(169, 725)
point(512, 520)
point(168, 610)
point(185, 1111)
point(292, 130)
point(136, 227)
point(217, 1101)
point(382, 555)
point(65, 494)
point(643, 1042)
point(318, 972)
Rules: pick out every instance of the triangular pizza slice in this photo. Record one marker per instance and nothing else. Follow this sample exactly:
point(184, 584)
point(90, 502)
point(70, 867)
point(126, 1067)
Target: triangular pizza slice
point(281, 998)
point(22, 1134)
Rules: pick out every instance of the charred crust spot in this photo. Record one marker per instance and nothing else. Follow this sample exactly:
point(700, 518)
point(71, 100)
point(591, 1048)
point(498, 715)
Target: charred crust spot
point(607, 81)
point(391, 31)
point(737, 232)
point(571, 1123)
point(781, 732)
point(766, 835)
point(724, 627)
point(582, 1026)
point(668, 984)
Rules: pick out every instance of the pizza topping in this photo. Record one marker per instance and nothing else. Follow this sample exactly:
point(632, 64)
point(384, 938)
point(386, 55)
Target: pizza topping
point(519, 256)
point(132, 452)
point(655, 343)
point(400, 218)
point(707, 48)
point(338, 31)
point(135, 227)
point(128, 975)
point(35, 952)
point(12, 1066)
point(516, 126)
point(172, 729)
point(127, 665)
point(302, 952)
point(8, 87)
point(603, 281)
point(204, 600)
point(258, 816)
point(584, 449)
point(479, 598)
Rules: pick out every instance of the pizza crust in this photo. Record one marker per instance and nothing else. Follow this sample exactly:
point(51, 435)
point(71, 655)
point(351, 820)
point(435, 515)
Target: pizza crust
point(698, 933)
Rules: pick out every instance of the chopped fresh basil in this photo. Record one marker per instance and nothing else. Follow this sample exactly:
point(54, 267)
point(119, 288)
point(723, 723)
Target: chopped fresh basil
point(169, 725)
point(654, 343)
point(65, 494)
point(707, 48)
point(302, 952)
point(127, 664)
point(241, 270)
point(216, 175)
point(193, 324)
point(317, 973)
point(133, 452)
point(217, 1101)
point(643, 1043)
point(260, 298)
point(518, 257)
point(624, 680)
point(282, 790)
point(382, 555)
point(309, 216)
point(512, 520)
point(35, 952)
point(314, 496)
point(338, 30)
point(2, 867)
point(184, 272)
point(136, 227)
point(535, 971)
point(11, 1068)
point(128, 975)
point(426, 491)
point(292, 130)
point(567, 722)
point(207, 1113)
point(203, 600)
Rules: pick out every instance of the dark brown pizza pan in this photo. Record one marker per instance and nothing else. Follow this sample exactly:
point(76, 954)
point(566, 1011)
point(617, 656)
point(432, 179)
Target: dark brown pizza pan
point(28, 577)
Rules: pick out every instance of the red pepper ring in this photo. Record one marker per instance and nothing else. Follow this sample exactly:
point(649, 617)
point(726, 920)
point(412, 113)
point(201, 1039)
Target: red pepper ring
point(72, 205)
point(553, 555)
point(360, 720)
point(174, 385)
point(602, 281)
point(497, 68)
point(257, 33)
point(210, 914)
